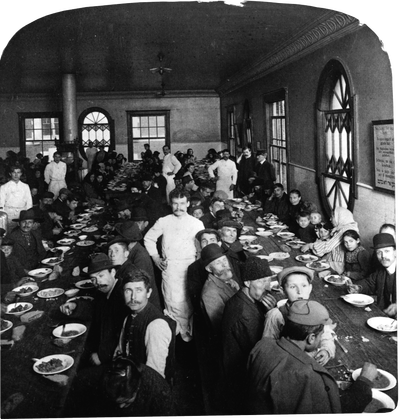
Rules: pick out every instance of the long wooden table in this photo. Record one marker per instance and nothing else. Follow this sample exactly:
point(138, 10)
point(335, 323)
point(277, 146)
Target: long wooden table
point(362, 342)
point(42, 397)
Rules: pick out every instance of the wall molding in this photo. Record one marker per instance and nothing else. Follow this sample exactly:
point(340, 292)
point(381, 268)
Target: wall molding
point(332, 26)
point(308, 169)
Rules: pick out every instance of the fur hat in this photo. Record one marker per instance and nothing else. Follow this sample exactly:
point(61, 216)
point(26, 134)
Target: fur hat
point(255, 268)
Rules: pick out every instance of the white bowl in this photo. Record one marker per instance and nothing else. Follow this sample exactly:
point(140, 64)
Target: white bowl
point(52, 261)
point(24, 308)
point(358, 300)
point(255, 248)
point(6, 324)
point(26, 289)
point(71, 292)
point(64, 331)
point(40, 273)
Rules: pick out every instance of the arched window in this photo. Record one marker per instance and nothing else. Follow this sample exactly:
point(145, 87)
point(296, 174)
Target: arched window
point(96, 125)
point(335, 138)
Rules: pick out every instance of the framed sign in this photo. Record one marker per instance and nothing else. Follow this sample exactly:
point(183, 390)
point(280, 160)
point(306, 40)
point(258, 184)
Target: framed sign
point(384, 169)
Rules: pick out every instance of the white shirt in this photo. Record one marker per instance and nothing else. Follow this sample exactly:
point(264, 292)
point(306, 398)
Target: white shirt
point(55, 171)
point(171, 164)
point(16, 195)
point(226, 170)
point(178, 233)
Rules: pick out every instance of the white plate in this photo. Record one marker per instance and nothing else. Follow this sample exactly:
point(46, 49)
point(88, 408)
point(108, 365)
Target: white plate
point(285, 234)
point(276, 269)
point(390, 377)
point(318, 266)
point(66, 241)
point(20, 290)
point(383, 324)
point(7, 325)
point(77, 226)
point(358, 300)
point(50, 293)
point(236, 199)
point(387, 402)
point(64, 249)
point(247, 238)
point(85, 243)
point(90, 229)
point(265, 233)
point(71, 292)
point(81, 297)
point(67, 362)
point(254, 248)
point(279, 255)
point(52, 261)
point(267, 257)
point(306, 258)
point(336, 280)
point(40, 273)
point(281, 302)
point(28, 306)
point(71, 233)
point(84, 284)
point(80, 329)
point(295, 244)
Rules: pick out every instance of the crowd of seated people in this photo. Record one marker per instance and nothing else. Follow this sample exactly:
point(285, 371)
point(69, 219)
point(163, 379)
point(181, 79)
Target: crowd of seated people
point(167, 272)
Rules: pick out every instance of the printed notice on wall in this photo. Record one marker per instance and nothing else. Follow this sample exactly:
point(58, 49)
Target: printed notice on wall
point(384, 155)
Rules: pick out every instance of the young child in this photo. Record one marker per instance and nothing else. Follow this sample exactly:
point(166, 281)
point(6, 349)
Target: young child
point(357, 258)
point(15, 270)
point(306, 230)
point(296, 284)
point(315, 218)
point(323, 232)
point(196, 211)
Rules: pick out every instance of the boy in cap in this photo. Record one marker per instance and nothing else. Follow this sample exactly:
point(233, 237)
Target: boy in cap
point(296, 284)
point(14, 267)
point(381, 283)
point(242, 327)
point(284, 380)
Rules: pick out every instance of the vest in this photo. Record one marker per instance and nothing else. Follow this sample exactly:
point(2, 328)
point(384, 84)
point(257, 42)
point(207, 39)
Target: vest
point(133, 341)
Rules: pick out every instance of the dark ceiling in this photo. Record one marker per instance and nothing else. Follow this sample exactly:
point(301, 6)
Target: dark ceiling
point(112, 48)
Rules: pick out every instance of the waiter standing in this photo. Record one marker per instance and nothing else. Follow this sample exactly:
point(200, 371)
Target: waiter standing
point(227, 173)
point(15, 196)
point(178, 231)
point(54, 174)
point(171, 167)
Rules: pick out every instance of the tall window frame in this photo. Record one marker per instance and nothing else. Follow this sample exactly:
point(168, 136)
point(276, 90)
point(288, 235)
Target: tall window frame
point(232, 130)
point(95, 124)
point(277, 143)
point(38, 132)
point(147, 127)
point(336, 138)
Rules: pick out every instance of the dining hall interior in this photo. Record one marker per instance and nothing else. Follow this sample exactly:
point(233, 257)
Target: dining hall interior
point(308, 85)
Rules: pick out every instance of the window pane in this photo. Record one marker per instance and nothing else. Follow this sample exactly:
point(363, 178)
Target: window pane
point(144, 132)
point(136, 132)
point(144, 121)
point(161, 132)
point(161, 121)
point(28, 123)
point(152, 121)
point(37, 123)
point(135, 121)
point(153, 132)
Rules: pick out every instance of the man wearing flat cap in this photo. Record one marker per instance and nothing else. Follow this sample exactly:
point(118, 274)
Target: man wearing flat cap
point(118, 252)
point(220, 285)
point(283, 379)
point(242, 327)
point(381, 283)
point(28, 246)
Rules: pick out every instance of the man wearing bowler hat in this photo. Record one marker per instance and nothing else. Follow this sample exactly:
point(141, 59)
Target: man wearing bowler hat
point(109, 310)
point(283, 379)
point(220, 285)
point(28, 246)
point(382, 282)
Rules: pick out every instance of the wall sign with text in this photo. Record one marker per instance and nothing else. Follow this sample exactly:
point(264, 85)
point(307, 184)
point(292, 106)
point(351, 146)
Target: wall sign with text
point(384, 174)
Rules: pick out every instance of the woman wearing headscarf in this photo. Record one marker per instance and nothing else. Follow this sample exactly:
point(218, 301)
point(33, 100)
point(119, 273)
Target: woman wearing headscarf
point(89, 187)
point(333, 249)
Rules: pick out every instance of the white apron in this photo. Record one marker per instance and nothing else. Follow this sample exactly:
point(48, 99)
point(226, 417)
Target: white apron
point(177, 302)
point(56, 185)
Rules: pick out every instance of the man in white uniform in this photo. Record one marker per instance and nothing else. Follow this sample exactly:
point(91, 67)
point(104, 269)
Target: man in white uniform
point(178, 251)
point(91, 155)
point(54, 174)
point(171, 166)
point(15, 196)
point(227, 173)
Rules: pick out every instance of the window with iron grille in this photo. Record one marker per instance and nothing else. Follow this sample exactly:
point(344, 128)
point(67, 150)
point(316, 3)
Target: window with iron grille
point(96, 128)
point(335, 116)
